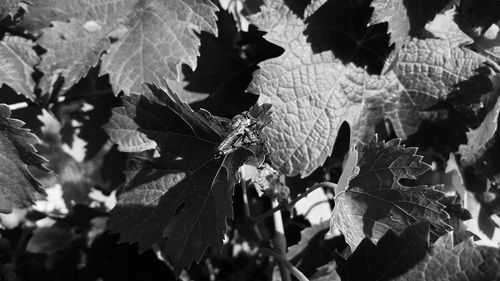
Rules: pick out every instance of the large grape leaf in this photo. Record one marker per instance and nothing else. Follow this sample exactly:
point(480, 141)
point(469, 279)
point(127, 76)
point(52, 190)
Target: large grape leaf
point(73, 48)
point(18, 187)
point(17, 59)
point(430, 68)
point(160, 35)
point(153, 38)
point(179, 201)
point(375, 201)
point(312, 93)
point(410, 256)
point(405, 18)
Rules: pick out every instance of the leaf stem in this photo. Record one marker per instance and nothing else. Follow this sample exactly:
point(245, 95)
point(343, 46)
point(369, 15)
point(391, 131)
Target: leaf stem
point(21, 105)
point(297, 273)
point(27, 232)
point(295, 200)
point(246, 205)
point(279, 243)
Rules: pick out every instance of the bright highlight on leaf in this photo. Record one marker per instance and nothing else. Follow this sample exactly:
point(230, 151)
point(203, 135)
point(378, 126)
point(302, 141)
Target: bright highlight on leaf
point(313, 93)
point(152, 37)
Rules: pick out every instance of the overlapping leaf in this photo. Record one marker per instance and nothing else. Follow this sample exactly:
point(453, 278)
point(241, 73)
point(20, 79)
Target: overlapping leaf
point(160, 35)
point(222, 74)
point(405, 18)
point(154, 38)
point(410, 256)
point(18, 188)
point(375, 202)
point(17, 60)
point(316, 232)
point(181, 200)
point(312, 93)
point(479, 138)
point(73, 48)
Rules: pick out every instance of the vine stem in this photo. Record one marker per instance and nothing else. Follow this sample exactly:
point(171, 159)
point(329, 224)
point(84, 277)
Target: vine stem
point(21, 105)
point(246, 205)
point(283, 206)
point(297, 273)
point(279, 242)
point(27, 232)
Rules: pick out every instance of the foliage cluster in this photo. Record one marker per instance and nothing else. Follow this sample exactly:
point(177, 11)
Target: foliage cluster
point(249, 140)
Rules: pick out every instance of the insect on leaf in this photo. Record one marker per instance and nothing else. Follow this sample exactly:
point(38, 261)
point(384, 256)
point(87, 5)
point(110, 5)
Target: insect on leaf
point(180, 200)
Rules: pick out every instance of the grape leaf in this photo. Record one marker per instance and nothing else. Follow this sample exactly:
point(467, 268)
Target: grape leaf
point(405, 18)
point(410, 256)
point(19, 189)
point(375, 202)
point(8, 7)
point(312, 93)
point(73, 48)
point(159, 37)
point(18, 59)
point(222, 74)
point(431, 68)
point(479, 138)
point(153, 38)
point(331, 21)
point(179, 201)
point(317, 231)
point(41, 13)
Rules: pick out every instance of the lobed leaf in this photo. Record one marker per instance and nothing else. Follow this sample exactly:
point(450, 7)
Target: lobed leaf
point(313, 93)
point(153, 38)
point(410, 256)
point(73, 48)
point(18, 187)
point(375, 201)
point(17, 59)
point(405, 18)
point(180, 200)
point(159, 38)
